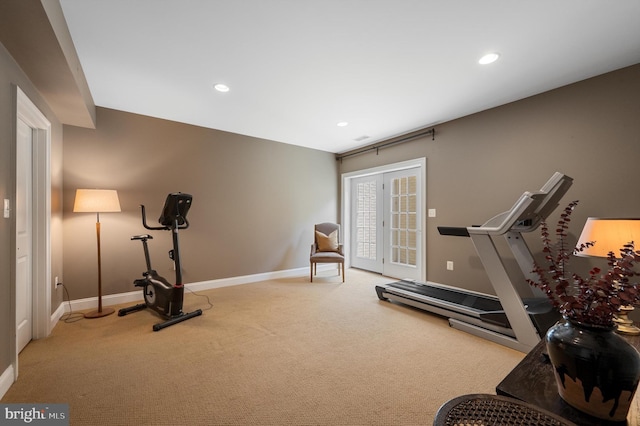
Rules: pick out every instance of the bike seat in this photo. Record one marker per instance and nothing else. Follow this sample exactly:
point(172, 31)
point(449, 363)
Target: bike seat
point(144, 237)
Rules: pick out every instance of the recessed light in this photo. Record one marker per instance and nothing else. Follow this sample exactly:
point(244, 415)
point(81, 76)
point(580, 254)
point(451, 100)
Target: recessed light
point(489, 58)
point(221, 87)
point(342, 124)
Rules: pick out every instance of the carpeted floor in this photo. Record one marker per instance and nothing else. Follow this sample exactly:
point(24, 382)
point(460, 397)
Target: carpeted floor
point(280, 352)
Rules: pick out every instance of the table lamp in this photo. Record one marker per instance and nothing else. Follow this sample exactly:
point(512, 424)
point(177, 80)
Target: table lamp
point(610, 235)
point(97, 201)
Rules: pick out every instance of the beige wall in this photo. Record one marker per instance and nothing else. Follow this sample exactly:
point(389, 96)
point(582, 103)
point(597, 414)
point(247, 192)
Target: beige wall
point(10, 76)
point(254, 201)
point(476, 167)
point(479, 165)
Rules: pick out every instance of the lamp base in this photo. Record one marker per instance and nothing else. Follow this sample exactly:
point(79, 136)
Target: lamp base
point(99, 314)
point(625, 325)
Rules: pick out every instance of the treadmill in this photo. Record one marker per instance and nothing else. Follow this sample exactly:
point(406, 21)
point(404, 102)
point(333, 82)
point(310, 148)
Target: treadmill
point(519, 314)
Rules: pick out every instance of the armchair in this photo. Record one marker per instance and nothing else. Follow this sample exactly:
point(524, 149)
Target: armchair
point(326, 247)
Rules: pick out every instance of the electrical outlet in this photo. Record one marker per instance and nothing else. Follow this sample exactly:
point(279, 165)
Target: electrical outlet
point(449, 265)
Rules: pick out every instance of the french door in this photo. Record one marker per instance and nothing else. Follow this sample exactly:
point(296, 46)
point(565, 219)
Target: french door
point(386, 218)
point(366, 223)
point(402, 251)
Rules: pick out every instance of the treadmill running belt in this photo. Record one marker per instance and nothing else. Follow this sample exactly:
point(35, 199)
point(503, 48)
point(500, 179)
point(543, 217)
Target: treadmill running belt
point(476, 302)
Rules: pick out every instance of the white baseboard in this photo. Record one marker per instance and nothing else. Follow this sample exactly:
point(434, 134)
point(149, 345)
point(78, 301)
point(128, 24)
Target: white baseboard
point(136, 296)
point(6, 380)
point(247, 279)
point(108, 300)
point(55, 317)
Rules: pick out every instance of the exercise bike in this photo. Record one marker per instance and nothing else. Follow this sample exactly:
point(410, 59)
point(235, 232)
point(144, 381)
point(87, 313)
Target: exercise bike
point(160, 295)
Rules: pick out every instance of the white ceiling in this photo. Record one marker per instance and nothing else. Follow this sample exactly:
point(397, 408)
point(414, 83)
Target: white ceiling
point(298, 67)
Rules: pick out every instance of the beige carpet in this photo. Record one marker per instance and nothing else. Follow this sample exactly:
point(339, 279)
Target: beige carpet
point(281, 352)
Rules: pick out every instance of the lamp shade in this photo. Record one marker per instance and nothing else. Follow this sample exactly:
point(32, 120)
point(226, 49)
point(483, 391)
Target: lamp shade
point(96, 201)
point(608, 235)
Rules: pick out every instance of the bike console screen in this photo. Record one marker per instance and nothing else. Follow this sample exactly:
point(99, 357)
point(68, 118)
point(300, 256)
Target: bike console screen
point(177, 205)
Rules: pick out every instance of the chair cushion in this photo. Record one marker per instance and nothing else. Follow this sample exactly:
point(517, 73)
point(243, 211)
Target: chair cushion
point(327, 242)
point(327, 257)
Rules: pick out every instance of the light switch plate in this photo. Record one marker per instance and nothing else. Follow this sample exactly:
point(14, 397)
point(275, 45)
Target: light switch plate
point(7, 208)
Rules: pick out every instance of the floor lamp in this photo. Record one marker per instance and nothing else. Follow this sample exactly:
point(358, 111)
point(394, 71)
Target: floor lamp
point(97, 201)
point(610, 235)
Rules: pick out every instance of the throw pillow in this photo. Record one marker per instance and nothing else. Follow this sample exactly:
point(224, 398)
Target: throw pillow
point(327, 242)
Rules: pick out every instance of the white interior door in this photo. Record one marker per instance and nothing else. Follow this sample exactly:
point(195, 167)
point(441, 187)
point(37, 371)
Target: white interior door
point(23, 212)
point(402, 224)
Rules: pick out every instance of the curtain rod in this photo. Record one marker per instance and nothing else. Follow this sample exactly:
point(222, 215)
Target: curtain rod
point(376, 147)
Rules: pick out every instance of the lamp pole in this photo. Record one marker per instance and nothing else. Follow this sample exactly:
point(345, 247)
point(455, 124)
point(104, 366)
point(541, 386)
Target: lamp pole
point(96, 201)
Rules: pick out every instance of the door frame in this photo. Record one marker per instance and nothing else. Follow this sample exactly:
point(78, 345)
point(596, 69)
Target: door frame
point(346, 204)
point(28, 112)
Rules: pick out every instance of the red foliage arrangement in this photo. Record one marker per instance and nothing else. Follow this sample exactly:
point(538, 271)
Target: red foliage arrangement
point(596, 299)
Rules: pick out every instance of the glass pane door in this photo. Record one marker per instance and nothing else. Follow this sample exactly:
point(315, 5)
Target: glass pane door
point(366, 222)
point(402, 216)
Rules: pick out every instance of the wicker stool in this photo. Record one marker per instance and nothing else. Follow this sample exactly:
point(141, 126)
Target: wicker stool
point(494, 410)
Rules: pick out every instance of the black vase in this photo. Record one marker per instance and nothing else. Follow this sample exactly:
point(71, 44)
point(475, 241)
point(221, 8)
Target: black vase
point(597, 371)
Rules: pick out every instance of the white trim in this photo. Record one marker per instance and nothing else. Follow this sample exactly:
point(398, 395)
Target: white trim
point(248, 279)
point(108, 300)
point(346, 203)
point(6, 380)
point(55, 317)
point(136, 296)
point(28, 112)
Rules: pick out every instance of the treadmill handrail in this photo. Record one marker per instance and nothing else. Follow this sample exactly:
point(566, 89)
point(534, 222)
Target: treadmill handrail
point(510, 217)
point(531, 209)
point(553, 191)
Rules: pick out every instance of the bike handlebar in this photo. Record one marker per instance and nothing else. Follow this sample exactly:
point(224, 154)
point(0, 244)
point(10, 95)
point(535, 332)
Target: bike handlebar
point(176, 222)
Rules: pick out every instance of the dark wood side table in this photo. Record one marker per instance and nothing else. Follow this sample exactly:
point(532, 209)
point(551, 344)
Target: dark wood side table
point(532, 381)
